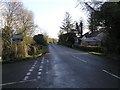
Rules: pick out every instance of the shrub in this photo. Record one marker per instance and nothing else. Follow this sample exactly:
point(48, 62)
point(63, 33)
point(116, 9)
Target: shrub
point(89, 48)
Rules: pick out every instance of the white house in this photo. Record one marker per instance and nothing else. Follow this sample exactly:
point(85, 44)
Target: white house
point(93, 39)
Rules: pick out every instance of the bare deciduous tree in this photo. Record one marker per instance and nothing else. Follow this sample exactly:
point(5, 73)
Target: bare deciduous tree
point(16, 20)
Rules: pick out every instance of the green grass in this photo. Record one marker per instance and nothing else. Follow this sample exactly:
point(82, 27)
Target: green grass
point(21, 57)
point(96, 53)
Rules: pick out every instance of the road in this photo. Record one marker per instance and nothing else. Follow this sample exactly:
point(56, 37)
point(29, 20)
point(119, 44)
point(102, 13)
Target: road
point(62, 67)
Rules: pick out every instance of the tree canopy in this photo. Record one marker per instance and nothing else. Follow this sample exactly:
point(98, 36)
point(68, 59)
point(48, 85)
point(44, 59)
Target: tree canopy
point(15, 20)
point(67, 23)
point(107, 18)
point(40, 39)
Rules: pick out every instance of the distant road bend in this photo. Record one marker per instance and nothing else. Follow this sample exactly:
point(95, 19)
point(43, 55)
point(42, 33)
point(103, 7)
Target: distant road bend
point(62, 67)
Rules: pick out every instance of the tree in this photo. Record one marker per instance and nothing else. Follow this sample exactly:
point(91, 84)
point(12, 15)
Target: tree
point(60, 32)
point(67, 39)
point(91, 7)
point(9, 15)
point(67, 23)
point(79, 28)
point(40, 40)
point(94, 22)
point(16, 20)
point(109, 17)
point(46, 37)
point(26, 27)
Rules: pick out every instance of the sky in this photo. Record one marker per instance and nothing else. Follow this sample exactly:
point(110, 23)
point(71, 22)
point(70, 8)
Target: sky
point(49, 14)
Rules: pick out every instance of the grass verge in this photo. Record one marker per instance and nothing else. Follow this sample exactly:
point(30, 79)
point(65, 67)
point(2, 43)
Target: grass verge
point(43, 51)
point(97, 53)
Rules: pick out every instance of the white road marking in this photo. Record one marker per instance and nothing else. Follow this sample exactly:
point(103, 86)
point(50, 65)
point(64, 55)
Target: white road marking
point(30, 70)
point(38, 77)
point(79, 59)
point(25, 78)
point(47, 61)
point(28, 73)
point(42, 62)
point(32, 67)
point(111, 74)
point(40, 69)
point(46, 72)
point(39, 73)
point(17, 82)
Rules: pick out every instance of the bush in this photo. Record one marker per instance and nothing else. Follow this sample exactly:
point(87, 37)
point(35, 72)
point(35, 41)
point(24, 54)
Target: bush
point(89, 48)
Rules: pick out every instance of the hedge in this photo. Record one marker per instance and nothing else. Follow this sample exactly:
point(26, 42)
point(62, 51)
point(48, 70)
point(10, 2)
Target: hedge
point(89, 48)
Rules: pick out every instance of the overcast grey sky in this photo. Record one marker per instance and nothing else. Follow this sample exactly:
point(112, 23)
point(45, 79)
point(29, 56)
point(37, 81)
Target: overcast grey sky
point(49, 14)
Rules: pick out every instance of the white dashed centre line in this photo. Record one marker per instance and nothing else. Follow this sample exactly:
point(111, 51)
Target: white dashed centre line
point(46, 72)
point(30, 70)
point(111, 74)
point(32, 67)
point(26, 77)
point(42, 62)
point(38, 77)
point(28, 73)
point(79, 59)
point(40, 70)
point(39, 73)
point(41, 67)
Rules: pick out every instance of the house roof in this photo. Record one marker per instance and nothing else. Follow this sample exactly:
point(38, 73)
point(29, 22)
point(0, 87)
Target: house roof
point(88, 35)
point(96, 36)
